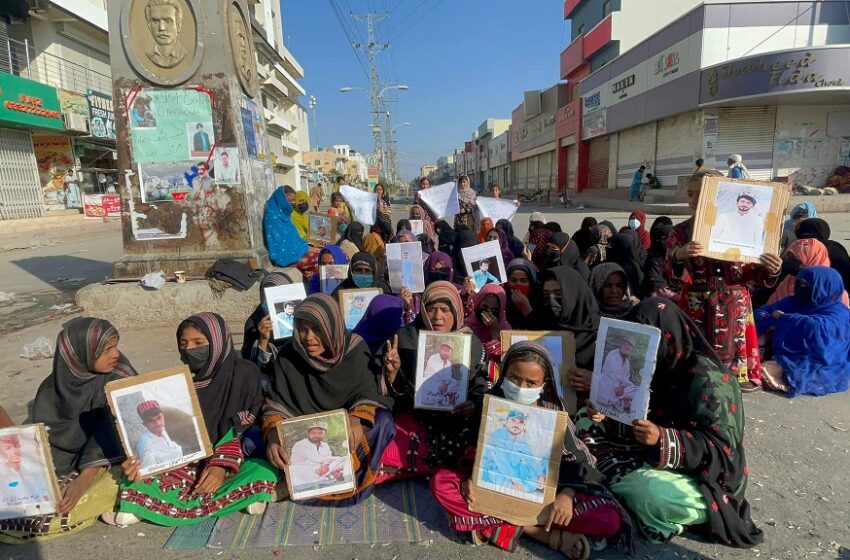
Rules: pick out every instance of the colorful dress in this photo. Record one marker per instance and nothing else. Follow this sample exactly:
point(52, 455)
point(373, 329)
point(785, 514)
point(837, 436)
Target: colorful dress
point(716, 295)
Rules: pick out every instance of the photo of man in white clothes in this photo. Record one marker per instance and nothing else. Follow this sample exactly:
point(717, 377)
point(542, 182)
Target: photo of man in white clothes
point(740, 226)
point(313, 463)
point(155, 447)
point(616, 370)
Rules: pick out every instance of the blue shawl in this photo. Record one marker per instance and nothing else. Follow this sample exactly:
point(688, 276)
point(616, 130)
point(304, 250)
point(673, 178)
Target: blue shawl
point(812, 339)
point(284, 244)
point(313, 287)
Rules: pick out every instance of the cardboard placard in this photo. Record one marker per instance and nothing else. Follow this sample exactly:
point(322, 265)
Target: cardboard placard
point(515, 477)
point(441, 199)
point(562, 348)
point(738, 220)
point(485, 264)
point(175, 436)
point(281, 302)
point(354, 302)
point(317, 467)
point(623, 367)
point(28, 484)
point(442, 370)
point(363, 204)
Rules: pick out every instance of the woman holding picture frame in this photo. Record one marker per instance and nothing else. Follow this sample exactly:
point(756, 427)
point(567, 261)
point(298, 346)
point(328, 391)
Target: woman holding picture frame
point(71, 403)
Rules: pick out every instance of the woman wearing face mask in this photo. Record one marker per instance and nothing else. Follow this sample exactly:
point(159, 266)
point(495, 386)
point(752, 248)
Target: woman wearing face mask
point(300, 217)
point(71, 402)
point(488, 319)
point(801, 254)
point(362, 273)
point(684, 467)
point(330, 254)
point(351, 240)
point(608, 283)
point(567, 254)
point(324, 367)
point(230, 397)
point(811, 341)
point(583, 507)
point(258, 345)
point(637, 223)
point(284, 241)
point(522, 294)
point(427, 439)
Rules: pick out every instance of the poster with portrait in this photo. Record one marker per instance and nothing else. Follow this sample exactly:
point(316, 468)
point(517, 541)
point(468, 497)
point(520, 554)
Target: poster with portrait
point(321, 229)
point(363, 204)
point(319, 454)
point(417, 227)
point(562, 349)
point(281, 302)
point(740, 220)
point(497, 208)
point(515, 476)
point(441, 199)
point(159, 419)
point(622, 370)
point(442, 370)
point(354, 303)
point(331, 276)
point(404, 263)
point(168, 181)
point(485, 264)
point(226, 165)
point(28, 484)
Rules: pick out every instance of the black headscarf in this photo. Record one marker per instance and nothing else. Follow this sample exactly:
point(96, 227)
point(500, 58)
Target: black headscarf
point(446, 237)
point(251, 334)
point(570, 254)
point(71, 401)
point(839, 259)
point(554, 227)
point(598, 276)
point(622, 249)
point(362, 258)
point(515, 317)
point(579, 313)
point(654, 269)
point(514, 243)
point(426, 242)
point(354, 233)
point(403, 224)
point(582, 237)
point(465, 238)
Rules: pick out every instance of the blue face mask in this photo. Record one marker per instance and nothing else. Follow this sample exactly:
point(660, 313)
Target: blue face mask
point(634, 223)
point(521, 395)
point(363, 280)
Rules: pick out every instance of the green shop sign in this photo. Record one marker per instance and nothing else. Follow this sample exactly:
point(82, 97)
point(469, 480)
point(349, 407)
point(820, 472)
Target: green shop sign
point(27, 103)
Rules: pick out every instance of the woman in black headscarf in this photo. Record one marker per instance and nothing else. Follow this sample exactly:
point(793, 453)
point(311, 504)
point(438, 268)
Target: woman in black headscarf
point(403, 225)
point(623, 250)
point(352, 240)
point(600, 234)
point(363, 273)
point(465, 238)
point(515, 244)
point(684, 466)
point(523, 295)
point(445, 237)
point(230, 398)
point(257, 341)
point(582, 236)
point(655, 282)
point(608, 283)
point(567, 255)
point(816, 228)
point(71, 403)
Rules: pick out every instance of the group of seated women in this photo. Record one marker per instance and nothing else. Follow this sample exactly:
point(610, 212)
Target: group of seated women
point(682, 468)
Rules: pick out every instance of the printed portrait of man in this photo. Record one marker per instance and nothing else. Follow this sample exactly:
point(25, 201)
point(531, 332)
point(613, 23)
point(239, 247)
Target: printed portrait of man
point(165, 21)
point(155, 447)
point(741, 225)
point(509, 462)
point(313, 461)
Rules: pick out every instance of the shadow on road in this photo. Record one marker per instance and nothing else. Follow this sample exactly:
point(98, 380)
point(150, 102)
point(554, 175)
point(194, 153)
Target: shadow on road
point(65, 273)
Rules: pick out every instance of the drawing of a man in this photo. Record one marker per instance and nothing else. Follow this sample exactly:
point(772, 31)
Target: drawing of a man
point(312, 461)
point(165, 21)
point(741, 226)
point(509, 460)
point(155, 447)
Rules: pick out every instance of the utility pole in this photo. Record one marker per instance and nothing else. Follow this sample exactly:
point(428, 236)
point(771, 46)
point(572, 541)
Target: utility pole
point(372, 49)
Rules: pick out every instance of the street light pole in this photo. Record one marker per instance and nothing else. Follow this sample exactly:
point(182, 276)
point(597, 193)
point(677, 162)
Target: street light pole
point(372, 49)
point(312, 105)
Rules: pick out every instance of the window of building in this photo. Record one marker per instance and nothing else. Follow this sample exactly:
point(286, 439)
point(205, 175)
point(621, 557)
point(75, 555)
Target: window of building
point(581, 29)
point(606, 8)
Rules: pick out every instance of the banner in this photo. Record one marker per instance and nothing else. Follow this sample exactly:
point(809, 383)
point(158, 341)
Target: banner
point(171, 125)
point(497, 208)
point(102, 206)
point(101, 115)
point(442, 200)
point(363, 204)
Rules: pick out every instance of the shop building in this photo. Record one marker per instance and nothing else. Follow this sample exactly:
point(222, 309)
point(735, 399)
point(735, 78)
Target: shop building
point(485, 134)
point(499, 160)
point(767, 80)
point(534, 165)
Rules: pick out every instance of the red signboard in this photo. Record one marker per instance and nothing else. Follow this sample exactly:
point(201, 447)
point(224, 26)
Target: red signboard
point(102, 206)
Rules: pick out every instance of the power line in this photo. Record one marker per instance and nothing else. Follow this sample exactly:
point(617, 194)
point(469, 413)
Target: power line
point(410, 13)
point(348, 35)
point(412, 25)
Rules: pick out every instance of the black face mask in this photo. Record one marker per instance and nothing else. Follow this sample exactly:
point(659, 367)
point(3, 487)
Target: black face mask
point(791, 266)
point(196, 358)
point(303, 207)
point(553, 256)
point(555, 307)
point(437, 275)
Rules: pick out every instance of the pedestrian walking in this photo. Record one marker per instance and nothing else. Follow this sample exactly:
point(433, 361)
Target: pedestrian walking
point(634, 191)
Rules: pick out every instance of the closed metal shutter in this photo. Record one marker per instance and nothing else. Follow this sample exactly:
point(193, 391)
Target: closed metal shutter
point(572, 166)
point(20, 187)
point(636, 148)
point(531, 174)
point(544, 171)
point(678, 148)
point(747, 131)
point(521, 179)
point(600, 151)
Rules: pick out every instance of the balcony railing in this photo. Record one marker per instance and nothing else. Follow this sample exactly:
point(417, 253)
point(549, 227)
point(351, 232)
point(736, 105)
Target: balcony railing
point(22, 60)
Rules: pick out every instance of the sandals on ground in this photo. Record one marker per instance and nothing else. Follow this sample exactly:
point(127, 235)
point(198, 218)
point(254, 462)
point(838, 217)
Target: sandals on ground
point(566, 542)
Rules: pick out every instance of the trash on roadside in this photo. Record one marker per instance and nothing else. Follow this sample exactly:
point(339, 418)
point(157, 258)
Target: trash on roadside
point(61, 308)
point(6, 297)
point(154, 280)
point(41, 349)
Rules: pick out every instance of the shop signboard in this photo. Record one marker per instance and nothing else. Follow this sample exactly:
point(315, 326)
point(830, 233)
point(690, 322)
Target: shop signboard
point(594, 114)
point(101, 115)
point(25, 103)
point(102, 206)
point(73, 103)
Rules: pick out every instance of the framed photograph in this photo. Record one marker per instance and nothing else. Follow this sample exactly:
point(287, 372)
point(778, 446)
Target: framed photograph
point(562, 347)
point(28, 484)
point(281, 302)
point(485, 264)
point(404, 263)
point(322, 229)
point(354, 303)
point(519, 452)
point(159, 419)
point(319, 455)
point(442, 370)
point(331, 276)
point(739, 220)
point(226, 166)
point(623, 368)
point(417, 227)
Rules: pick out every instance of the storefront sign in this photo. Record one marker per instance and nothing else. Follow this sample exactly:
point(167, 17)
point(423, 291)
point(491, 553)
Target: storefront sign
point(28, 103)
point(72, 103)
point(594, 116)
point(623, 84)
point(777, 73)
point(102, 206)
point(101, 115)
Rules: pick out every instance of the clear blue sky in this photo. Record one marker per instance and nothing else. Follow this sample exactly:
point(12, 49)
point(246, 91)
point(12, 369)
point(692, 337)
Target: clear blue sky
point(464, 60)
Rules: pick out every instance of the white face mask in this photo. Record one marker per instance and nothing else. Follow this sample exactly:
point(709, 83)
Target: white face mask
point(521, 395)
point(634, 223)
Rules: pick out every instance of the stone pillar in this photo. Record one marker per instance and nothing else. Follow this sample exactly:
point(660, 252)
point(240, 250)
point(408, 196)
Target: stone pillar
point(191, 135)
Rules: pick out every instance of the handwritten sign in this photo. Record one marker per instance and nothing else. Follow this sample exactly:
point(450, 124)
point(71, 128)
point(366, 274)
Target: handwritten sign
point(441, 199)
point(363, 204)
point(497, 208)
point(170, 125)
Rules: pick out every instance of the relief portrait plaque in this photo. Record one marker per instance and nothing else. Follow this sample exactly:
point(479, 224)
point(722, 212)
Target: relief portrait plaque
point(242, 45)
point(163, 39)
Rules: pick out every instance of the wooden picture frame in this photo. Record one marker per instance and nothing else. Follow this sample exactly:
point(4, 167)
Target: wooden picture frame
point(444, 388)
point(350, 324)
point(728, 235)
point(174, 393)
point(524, 503)
point(342, 464)
point(29, 487)
point(331, 224)
point(562, 363)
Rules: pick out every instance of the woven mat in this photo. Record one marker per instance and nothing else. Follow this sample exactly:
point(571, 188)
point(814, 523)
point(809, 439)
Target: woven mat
point(396, 512)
